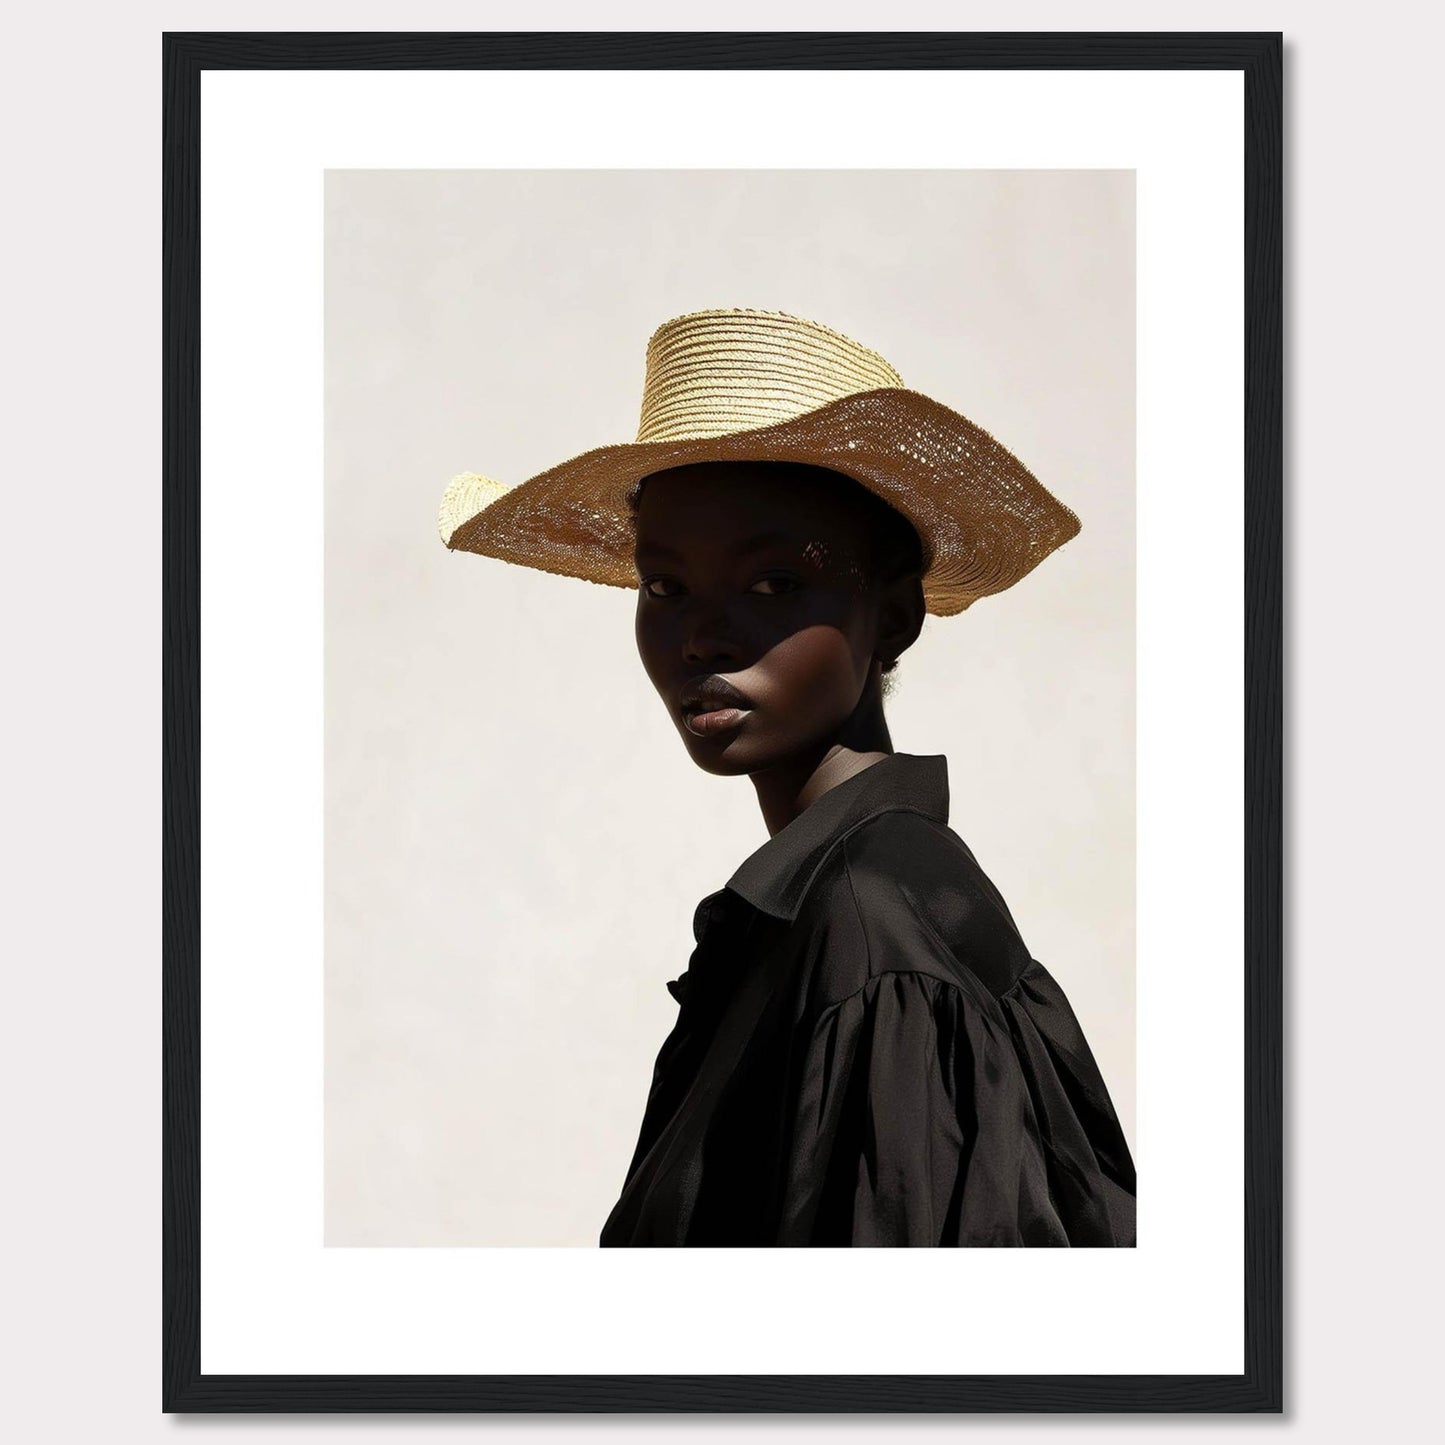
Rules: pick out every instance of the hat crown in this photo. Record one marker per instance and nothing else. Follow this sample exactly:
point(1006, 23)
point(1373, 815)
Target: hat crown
point(734, 369)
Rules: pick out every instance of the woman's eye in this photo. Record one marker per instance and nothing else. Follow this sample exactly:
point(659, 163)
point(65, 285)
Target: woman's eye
point(778, 585)
point(773, 586)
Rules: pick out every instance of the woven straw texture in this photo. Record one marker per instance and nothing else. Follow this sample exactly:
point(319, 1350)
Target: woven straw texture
point(744, 384)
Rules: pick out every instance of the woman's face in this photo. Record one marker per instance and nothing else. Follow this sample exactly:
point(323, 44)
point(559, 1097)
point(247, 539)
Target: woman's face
point(758, 585)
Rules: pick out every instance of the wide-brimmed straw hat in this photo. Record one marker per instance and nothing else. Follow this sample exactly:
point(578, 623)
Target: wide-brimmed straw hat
point(739, 384)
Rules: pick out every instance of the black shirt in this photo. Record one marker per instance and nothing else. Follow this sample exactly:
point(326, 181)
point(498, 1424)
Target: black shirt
point(865, 1053)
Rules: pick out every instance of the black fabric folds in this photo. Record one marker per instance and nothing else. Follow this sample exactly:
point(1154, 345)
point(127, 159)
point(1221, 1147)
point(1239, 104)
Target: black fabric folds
point(866, 1054)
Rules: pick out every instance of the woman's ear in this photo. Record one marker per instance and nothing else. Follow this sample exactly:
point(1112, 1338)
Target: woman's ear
point(901, 610)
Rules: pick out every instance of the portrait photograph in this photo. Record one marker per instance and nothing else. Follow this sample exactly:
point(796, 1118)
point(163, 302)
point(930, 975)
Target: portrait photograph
point(726, 723)
point(717, 682)
point(729, 717)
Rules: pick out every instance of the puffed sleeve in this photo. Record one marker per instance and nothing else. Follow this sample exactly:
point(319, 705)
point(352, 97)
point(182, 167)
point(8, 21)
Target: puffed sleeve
point(926, 1111)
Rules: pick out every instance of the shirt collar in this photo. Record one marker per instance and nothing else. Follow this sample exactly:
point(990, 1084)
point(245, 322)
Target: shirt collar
point(776, 876)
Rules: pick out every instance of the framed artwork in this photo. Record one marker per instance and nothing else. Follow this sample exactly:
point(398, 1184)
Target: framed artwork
point(722, 695)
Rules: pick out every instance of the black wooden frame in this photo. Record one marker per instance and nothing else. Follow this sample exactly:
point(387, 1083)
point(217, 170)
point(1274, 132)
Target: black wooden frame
point(1259, 55)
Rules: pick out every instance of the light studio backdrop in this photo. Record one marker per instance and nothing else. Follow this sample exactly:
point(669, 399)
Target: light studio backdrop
point(515, 837)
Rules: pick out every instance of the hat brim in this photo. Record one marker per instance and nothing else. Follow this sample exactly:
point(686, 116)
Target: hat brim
point(985, 520)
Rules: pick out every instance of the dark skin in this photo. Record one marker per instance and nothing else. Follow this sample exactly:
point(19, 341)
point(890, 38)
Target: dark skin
point(801, 625)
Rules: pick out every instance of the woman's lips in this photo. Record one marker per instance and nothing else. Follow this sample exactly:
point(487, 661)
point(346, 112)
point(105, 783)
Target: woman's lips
point(721, 720)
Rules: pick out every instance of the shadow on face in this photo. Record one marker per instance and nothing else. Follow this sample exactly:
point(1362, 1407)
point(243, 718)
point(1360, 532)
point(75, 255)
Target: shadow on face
point(770, 577)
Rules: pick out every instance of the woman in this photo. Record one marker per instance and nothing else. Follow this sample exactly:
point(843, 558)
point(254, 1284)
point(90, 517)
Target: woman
point(865, 1051)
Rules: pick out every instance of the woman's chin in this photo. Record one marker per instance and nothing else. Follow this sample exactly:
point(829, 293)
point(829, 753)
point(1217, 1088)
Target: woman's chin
point(726, 755)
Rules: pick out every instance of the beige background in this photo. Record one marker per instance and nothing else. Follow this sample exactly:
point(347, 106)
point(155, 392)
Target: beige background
point(510, 879)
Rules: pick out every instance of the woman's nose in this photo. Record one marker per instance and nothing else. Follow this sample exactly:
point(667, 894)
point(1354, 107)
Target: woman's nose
point(708, 634)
